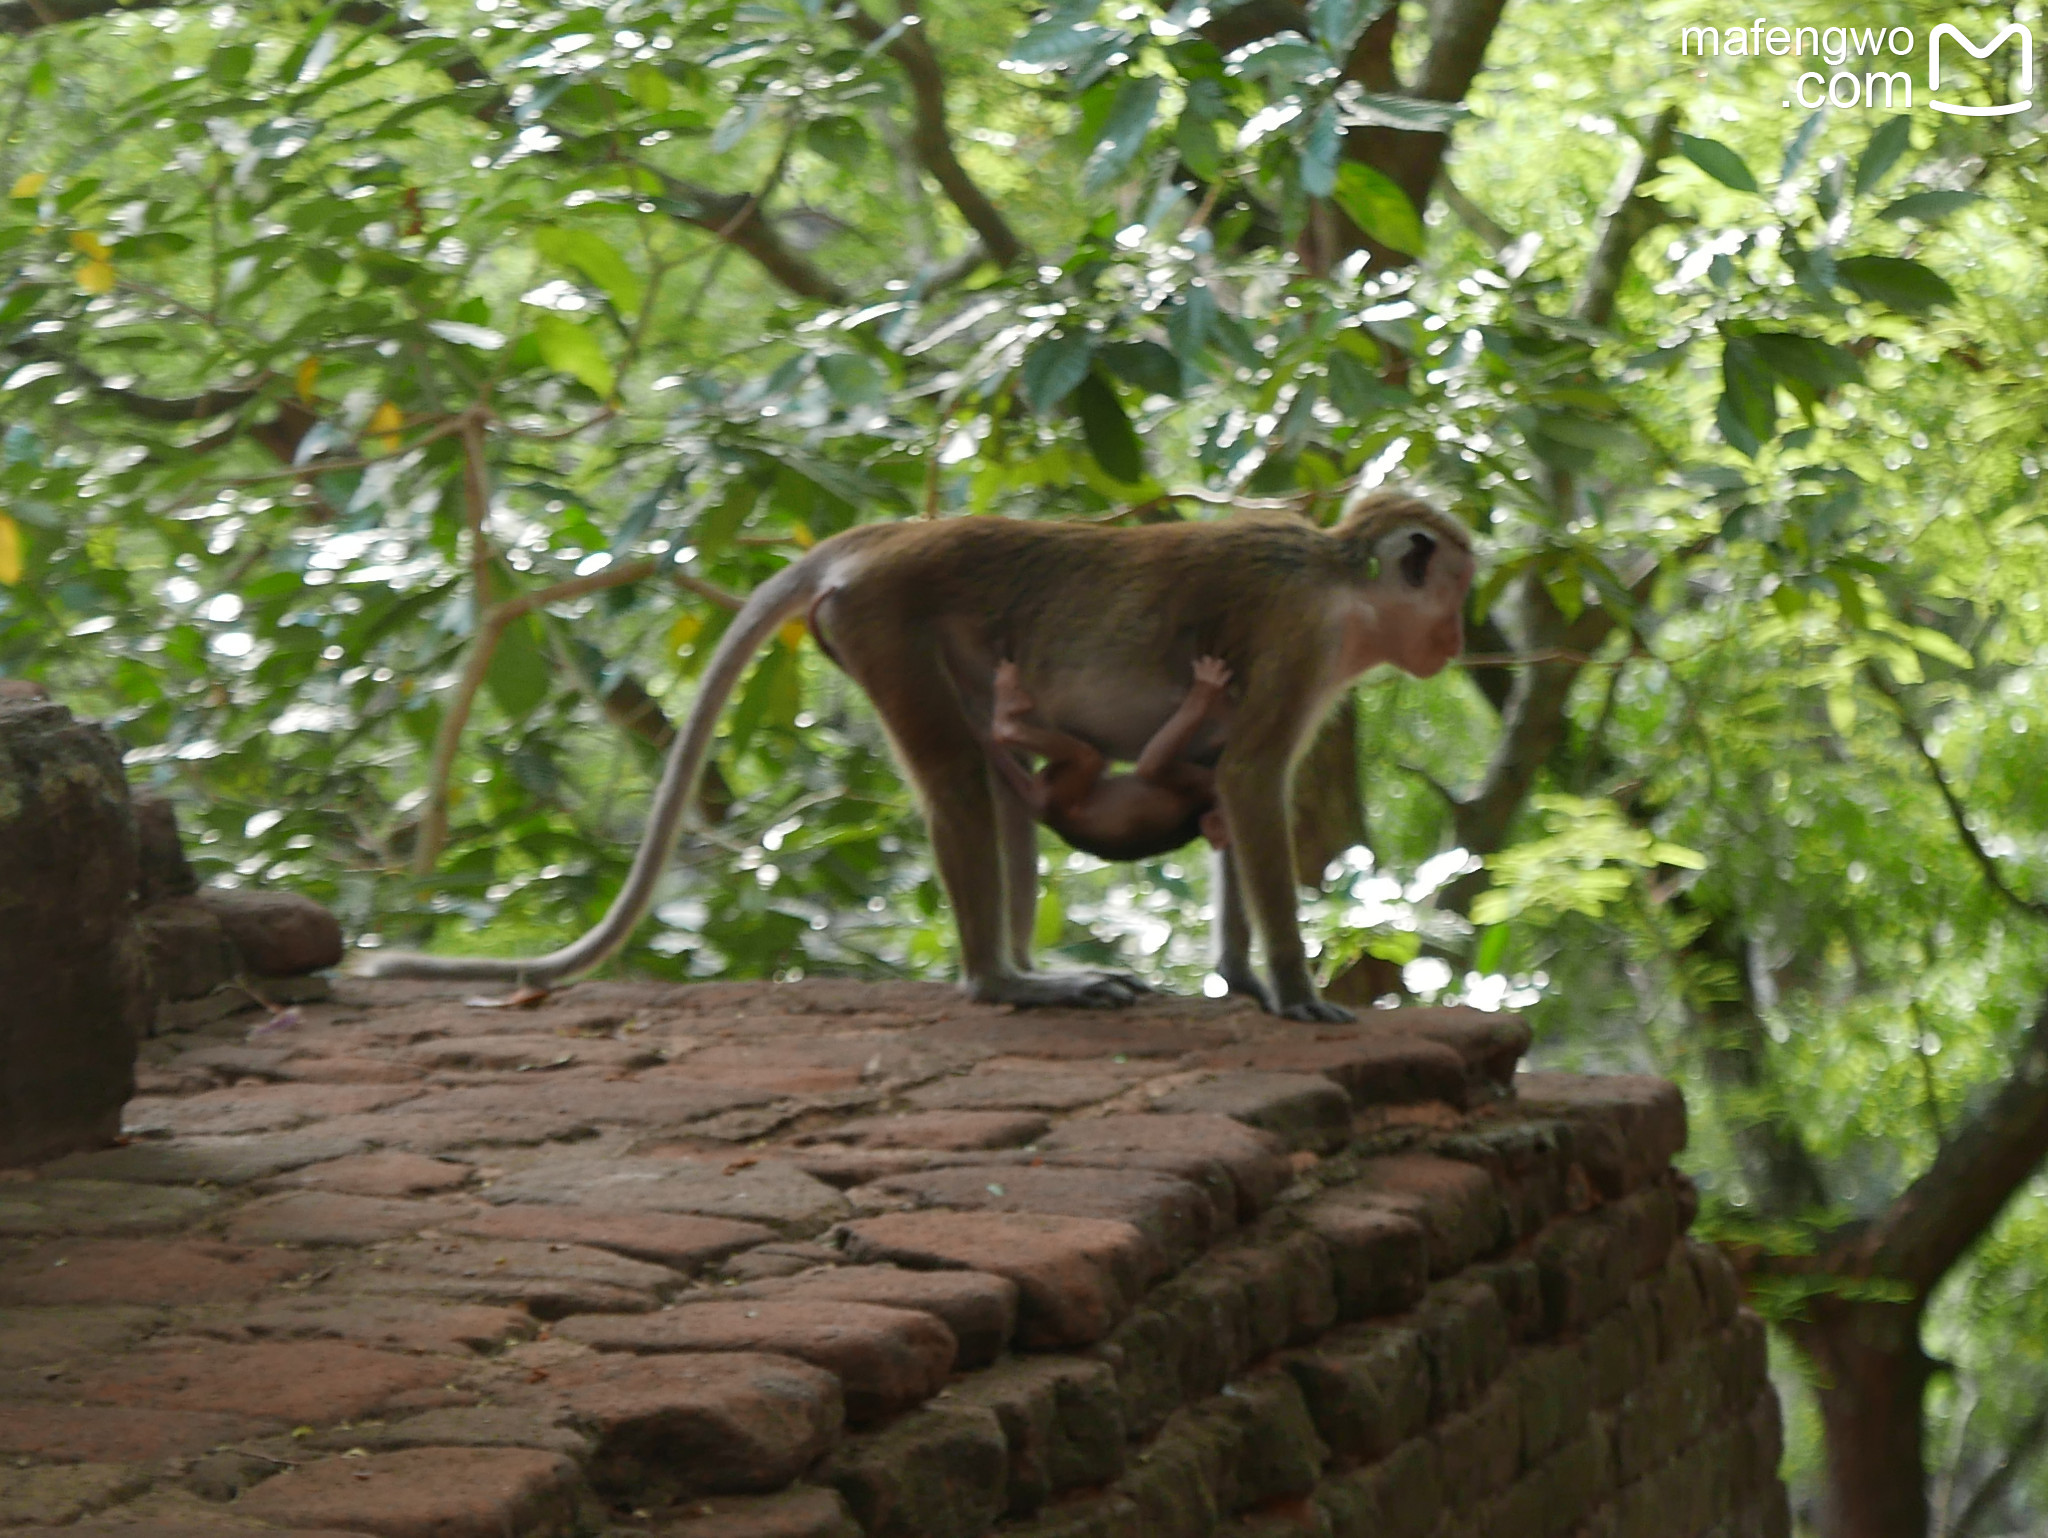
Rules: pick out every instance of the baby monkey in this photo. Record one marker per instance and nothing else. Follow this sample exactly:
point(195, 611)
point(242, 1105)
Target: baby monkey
point(1164, 802)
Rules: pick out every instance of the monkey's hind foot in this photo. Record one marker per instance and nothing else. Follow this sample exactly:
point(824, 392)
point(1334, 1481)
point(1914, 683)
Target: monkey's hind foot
point(1067, 990)
point(1319, 1011)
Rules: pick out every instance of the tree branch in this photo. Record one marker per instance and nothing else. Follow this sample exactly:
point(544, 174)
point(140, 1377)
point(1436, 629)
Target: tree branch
point(1936, 1219)
point(931, 138)
point(1626, 219)
point(736, 219)
point(1957, 814)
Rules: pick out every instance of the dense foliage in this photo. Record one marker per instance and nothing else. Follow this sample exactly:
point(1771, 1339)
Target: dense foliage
point(396, 400)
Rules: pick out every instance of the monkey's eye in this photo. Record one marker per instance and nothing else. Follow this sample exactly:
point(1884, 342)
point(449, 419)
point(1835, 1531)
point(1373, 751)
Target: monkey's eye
point(1415, 564)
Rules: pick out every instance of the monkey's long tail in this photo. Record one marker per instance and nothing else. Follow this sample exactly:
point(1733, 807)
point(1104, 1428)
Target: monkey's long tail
point(789, 592)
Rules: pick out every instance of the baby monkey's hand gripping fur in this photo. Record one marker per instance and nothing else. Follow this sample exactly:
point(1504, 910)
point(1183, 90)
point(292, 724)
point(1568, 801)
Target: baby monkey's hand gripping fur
point(1107, 623)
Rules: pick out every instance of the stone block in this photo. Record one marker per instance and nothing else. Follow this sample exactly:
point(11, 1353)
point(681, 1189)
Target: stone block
point(73, 968)
point(678, 1241)
point(1367, 1389)
point(1062, 1423)
point(1379, 1257)
point(1188, 1145)
point(1303, 1110)
point(887, 1359)
point(938, 1472)
point(691, 1424)
point(1177, 1219)
point(1076, 1277)
point(428, 1492)
point(275, 934)
point(805, 1512)
point(980, 1309)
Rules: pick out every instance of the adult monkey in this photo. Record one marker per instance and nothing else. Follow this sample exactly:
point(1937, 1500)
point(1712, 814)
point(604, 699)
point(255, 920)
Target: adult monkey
point(1105, 624)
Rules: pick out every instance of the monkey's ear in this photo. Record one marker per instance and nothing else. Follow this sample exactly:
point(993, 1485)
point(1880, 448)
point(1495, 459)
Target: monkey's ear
point(1415, 563)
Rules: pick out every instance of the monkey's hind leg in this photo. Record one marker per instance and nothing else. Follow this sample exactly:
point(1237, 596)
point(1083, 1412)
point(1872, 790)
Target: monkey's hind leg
point(1234, 934)
point(950, 769)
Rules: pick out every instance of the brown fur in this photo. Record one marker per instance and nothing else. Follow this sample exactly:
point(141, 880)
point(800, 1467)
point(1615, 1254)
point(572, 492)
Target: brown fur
point(1106, 623)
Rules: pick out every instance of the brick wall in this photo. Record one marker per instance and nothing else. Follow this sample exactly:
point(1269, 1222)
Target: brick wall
point(1500, 1331)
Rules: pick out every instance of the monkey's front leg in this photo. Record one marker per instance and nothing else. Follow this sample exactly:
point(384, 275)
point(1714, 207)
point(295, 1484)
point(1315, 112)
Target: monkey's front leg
point(1234, 933)
point(1254, 796)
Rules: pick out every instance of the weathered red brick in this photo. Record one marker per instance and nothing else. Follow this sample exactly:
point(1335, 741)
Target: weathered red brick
point(749, 1190)
point(1645, 1114)
point(1457, 1204)
point(547, 1280)
point(392, 1173)
point(697, 1423)
point(512, 1051)
point(940, 1472)
point(679, 1241)
point(429, 1492)
point(957, 1131)
point(142, 1271)
point(1075, 1276)
point(887, 1358)
point(259, 1108)
point(1071, 1034)
point(1015, 1091)
point(1375, 1066)
point(1304, 1110)
point(402, 1324)
point(980, 1309)
point(804, 1512)
point(304, 1382)
point(1381, 1257)
point(334, 1217)
point(59, 1433)
point(1491, 1042)
point(1187, 1145)
point(1176, 1218)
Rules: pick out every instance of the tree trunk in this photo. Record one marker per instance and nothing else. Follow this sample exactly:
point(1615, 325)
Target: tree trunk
point(1870, 1381)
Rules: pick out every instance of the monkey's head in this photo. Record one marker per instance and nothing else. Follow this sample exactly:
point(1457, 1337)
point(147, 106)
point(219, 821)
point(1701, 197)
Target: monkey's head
point(1418, 567)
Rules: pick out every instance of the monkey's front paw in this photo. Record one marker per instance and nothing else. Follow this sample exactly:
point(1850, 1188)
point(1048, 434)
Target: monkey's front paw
point(1319, 1011)
point(1212, 671)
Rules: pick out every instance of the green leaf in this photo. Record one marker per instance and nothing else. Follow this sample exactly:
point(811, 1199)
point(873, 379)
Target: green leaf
point(1195, 138)
point(648, 86)
point(1145, 364)
point(1108, 431)
point(596, 258)
point(1319, 154)
point(854, 378)
point(715, 527)
point(772, 698)
point(1492, 948)
point(1400, 946)
point(518, 676)
point(570, 349)
point(1717, 160)
point(1054, 367)
point(1189, 323)
point(1748, 412)
point(1890, 141)
point(1927, 207)
point(1895, 281)
point(1377, 109)
point(1807, 359)
point(1379, 208)
point(1801, 141)
point(1934, 644)
point(841, 140)
point(1357, 391)
point(1123, 132)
